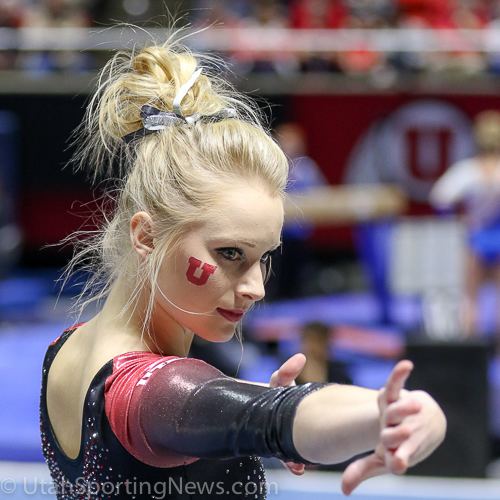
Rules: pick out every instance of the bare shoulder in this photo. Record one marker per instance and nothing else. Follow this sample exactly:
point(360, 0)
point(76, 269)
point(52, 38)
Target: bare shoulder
point(85, 352)
point(74, 360)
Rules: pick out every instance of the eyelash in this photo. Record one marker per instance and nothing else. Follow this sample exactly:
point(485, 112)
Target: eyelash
point(224, 253)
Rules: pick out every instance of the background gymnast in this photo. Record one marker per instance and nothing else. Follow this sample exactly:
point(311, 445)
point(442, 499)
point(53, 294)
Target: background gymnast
point(186, 251)
point(475, 183)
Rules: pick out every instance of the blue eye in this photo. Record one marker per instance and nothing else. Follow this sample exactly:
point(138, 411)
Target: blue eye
point(231, 254)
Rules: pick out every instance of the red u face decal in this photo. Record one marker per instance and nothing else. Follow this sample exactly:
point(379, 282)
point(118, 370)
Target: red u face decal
point(206, 271)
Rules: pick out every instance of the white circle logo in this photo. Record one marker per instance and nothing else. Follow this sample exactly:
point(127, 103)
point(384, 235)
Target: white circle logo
point(412, 147)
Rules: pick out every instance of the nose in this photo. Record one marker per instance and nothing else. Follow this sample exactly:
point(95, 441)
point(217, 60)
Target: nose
point(251, 284)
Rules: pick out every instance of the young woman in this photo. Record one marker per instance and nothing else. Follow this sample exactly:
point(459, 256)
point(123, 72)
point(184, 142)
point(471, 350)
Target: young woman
point(124, 412)
point(475, 183)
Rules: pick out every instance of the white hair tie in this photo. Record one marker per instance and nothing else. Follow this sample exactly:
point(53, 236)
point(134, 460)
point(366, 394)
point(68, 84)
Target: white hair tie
point(181, 93)
point(153, 119)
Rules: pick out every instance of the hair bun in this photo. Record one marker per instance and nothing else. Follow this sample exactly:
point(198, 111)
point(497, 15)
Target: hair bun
point(152, 76)
point(159, 73)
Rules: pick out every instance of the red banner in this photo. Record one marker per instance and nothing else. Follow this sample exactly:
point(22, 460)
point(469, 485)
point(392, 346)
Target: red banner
point(405, 139)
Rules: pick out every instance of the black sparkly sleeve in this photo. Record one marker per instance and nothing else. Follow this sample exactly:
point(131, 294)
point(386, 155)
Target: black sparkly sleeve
point(191, 408)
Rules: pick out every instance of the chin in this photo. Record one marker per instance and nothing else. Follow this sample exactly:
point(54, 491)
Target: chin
point(224, 334)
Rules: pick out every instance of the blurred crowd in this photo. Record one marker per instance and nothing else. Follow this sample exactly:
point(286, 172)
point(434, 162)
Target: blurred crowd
point(270, 14)
point(360, 14)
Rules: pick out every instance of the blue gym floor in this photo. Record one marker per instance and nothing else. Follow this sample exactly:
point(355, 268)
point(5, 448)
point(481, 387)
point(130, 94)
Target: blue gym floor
point(31, 481)
point(29, 322)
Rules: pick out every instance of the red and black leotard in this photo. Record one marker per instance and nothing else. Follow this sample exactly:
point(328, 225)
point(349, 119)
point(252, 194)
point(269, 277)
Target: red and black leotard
point(171, 427)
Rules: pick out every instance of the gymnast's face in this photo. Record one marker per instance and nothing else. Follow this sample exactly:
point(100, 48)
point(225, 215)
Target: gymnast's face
point(218, 270)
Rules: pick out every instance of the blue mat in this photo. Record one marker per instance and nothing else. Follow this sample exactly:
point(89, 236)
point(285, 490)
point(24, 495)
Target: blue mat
point(23, 481)
point(23, 348)
point(23, 342)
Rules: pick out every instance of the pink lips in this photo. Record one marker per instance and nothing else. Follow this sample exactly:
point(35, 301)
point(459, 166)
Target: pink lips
point(231, 315)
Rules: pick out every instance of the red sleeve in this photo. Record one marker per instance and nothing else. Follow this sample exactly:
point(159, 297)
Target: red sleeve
point(170, 411)
point(123, 391)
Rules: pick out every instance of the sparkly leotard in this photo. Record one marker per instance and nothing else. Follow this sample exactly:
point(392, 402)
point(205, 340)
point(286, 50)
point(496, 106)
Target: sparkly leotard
point(169, 427)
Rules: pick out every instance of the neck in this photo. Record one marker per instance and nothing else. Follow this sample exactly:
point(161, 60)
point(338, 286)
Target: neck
point(161, 335)
point(170, 337)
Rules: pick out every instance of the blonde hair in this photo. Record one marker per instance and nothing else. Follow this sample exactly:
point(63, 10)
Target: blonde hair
point(177, 174)
point(487, 131)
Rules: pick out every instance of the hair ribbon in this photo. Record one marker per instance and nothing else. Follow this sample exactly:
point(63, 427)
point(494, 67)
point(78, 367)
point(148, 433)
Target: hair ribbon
point(153, 119)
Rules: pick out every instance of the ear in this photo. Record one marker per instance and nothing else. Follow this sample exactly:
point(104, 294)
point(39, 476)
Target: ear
point(141, 234)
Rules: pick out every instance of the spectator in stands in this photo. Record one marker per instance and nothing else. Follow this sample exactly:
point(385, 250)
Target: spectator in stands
point(320, 367)
point(317, 14)
point(493, 23)
point(294, 264)
point(450, 15)
point(219, 12)
point(57, 14)
point(267, 16)
point(11, 15)
point(426, 13)
point(363, 14)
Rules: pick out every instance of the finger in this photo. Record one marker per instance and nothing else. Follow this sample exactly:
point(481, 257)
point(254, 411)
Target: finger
point(396, 464)
point(398, 411)
point(294, 467)
point(360, 470)
point(288, 371)
point(410, 452)
point(297, 469)
point(273, 382)
point(396, 380)
point(392, 437)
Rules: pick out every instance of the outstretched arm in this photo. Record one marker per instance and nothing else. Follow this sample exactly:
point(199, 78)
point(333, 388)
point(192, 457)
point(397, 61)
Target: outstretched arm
point(402, 427)
point(183, 409)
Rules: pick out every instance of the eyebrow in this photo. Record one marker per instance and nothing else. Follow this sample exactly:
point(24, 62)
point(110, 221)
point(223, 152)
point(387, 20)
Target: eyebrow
point(243, 242)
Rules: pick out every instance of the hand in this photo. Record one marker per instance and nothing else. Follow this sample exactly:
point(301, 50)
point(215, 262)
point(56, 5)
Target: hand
point(412, 426)
point(285, 376)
